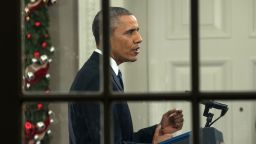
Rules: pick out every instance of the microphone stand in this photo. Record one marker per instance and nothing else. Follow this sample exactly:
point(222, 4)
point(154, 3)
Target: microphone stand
point(209, 120)
point(209, 116)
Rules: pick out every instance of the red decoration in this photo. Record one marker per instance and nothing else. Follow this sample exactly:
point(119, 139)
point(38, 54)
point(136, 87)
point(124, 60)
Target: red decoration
point(39, 106)
point(28, 125)
point(29, 36)
point(38, 24)
point(44, 44)
point(46, 35)
point(39, 71)
point(33, 6)
point(36, 54)
point(30, 130)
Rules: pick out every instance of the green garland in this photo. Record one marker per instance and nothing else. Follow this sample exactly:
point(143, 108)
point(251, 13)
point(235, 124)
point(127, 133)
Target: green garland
point(38, 51)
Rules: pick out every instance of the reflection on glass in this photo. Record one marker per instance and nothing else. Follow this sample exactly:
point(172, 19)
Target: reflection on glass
point(61, 123)
point(235, 126)
point(162, 60)
point(227, 46)
point(139, 121)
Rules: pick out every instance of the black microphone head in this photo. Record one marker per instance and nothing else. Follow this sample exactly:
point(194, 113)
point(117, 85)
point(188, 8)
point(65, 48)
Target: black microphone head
point(214, 104)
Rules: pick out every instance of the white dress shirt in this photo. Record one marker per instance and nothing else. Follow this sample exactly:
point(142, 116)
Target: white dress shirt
point(113, 63)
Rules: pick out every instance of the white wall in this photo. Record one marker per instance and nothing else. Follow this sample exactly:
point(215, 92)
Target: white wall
point(63, 31)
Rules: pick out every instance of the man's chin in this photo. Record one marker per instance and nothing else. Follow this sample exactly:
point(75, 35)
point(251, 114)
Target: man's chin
point(133, 60)
point(130, 60)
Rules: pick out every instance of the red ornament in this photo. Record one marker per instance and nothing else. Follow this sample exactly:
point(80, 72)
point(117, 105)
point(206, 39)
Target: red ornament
point(33, 5)
point(28, 125)
point(39, 106)
point(36, 54)
point(39, 72)
point(29, 36)
point(44, 44)
point(46, 35)
point(37, 24)
point(29, 130)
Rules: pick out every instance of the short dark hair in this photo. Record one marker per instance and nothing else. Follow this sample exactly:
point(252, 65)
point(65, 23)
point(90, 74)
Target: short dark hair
point(114, 13)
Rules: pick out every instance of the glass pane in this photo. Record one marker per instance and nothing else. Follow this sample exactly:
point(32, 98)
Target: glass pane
point(236, 124)
point(227, 30)
point(162, 62)
point(141, 118)
point(56, 122)
point(57, 40)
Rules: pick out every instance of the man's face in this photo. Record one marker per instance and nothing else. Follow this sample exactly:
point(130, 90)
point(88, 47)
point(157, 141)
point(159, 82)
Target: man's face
point(125, 39)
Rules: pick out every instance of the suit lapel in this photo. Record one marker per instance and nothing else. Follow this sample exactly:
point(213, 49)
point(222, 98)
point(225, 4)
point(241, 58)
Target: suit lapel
point(116, 80)
point(116, 83)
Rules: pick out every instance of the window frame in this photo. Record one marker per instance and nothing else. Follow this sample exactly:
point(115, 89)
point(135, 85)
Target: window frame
point(107, 97)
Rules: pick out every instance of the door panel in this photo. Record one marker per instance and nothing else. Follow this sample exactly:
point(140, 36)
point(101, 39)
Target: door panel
point(227, 56)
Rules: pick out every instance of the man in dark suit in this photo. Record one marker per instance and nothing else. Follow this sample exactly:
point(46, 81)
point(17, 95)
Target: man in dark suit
point(84, 118)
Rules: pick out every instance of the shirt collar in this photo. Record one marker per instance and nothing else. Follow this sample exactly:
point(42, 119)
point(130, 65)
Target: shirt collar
point(113, 63)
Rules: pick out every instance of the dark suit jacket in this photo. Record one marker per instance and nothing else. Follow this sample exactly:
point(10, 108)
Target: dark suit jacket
point(84, 118)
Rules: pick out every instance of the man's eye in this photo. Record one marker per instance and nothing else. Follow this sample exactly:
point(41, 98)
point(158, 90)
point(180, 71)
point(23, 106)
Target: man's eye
point(130, 31)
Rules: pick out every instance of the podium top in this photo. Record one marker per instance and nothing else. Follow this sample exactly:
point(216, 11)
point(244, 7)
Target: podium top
point(209, 135)
point(178, 138)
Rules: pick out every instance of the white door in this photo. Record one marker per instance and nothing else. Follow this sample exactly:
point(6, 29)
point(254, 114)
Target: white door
point(228, 58)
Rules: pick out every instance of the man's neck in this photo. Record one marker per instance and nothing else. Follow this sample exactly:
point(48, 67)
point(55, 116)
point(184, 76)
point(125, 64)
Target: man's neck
point(113, 63)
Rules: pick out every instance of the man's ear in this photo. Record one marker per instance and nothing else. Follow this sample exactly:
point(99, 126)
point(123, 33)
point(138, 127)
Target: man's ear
point(99, 45)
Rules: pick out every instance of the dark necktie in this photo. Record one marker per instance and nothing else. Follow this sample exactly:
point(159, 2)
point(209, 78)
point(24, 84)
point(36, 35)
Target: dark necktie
point(120, 78)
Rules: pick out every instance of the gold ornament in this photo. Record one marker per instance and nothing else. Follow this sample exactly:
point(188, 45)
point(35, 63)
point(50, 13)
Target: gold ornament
point(28, 85)
point(40, 126)
point(30, 75)
point(49, 132)
point(36, 137)
point(52, 49)
point(26, 10)
point(27, 18)
point(50, 112)
point(34, 60)
point(47, 76)
point(44, 59)
point(50, 60)
point(51, 121)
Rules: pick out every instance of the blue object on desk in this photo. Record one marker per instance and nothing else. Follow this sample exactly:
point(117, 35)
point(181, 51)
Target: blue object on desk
point(180, 139)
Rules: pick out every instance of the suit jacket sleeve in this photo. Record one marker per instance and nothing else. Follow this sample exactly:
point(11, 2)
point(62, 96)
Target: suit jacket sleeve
point(145, 135)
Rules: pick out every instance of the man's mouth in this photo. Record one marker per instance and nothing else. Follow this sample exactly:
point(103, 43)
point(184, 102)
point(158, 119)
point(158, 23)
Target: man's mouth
point(137, 50)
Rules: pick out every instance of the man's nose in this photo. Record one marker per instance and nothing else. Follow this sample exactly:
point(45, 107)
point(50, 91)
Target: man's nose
point(138, 38)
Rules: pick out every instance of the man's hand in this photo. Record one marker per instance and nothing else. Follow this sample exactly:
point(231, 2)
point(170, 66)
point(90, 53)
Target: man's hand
point(172, 121)
point(159, 136)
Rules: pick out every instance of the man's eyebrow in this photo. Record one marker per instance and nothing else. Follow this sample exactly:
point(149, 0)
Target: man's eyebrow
point(133, 29)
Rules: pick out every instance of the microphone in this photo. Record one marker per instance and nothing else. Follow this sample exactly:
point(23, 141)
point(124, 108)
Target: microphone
point(216, 105)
